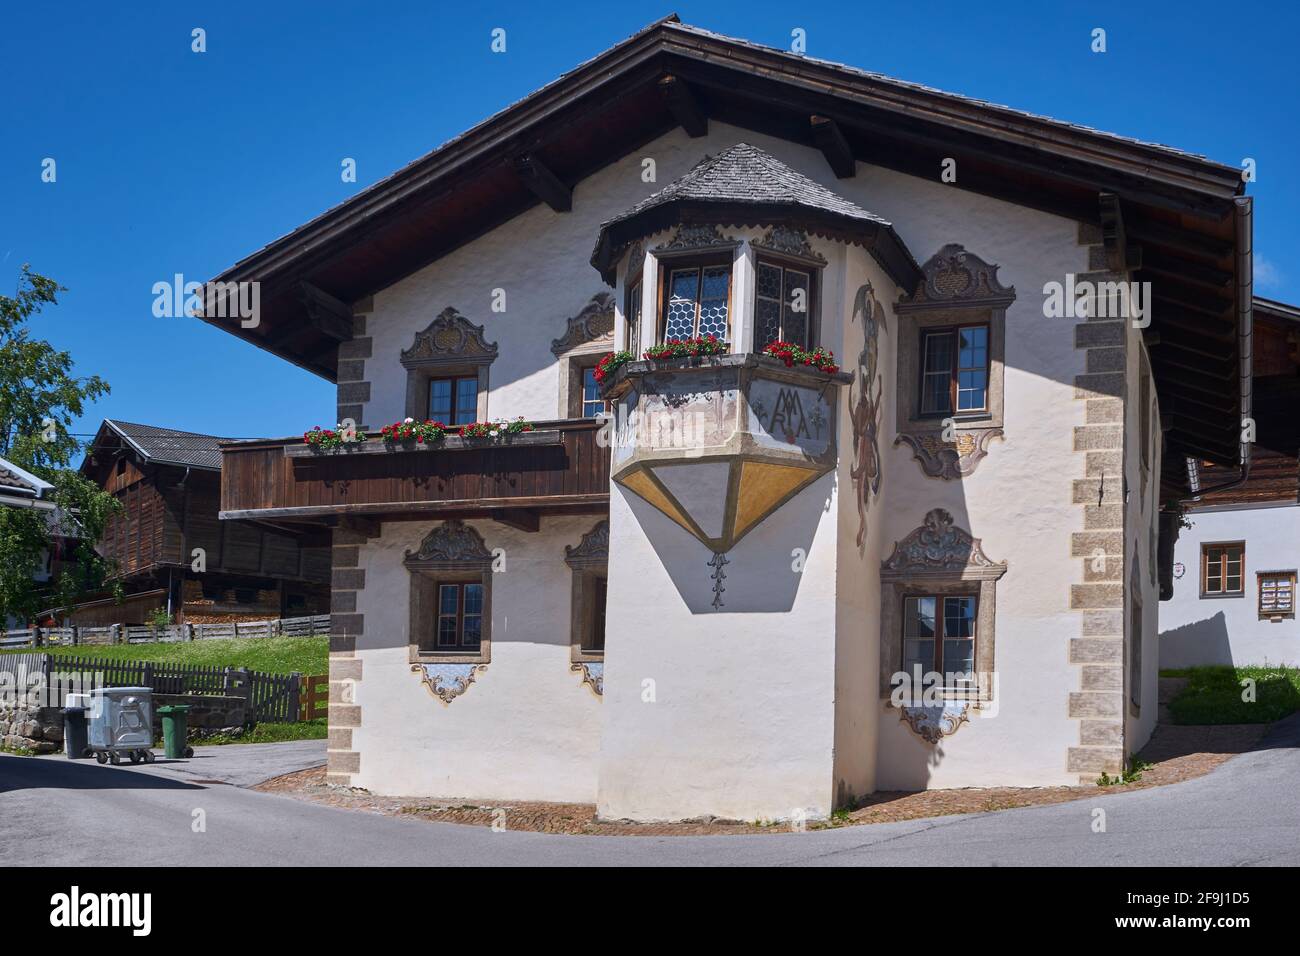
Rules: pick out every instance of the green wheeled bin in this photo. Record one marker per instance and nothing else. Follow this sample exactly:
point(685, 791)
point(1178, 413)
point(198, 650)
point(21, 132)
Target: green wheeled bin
point(174, 731)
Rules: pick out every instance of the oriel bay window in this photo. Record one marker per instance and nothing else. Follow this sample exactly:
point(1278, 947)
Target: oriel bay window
point(782, 306)
point(454, 401)
point(1222, 569)
point(954, 370)
point(697, 301)
point(939, 636)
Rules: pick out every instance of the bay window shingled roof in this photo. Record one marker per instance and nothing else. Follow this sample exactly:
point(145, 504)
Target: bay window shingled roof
point(744, 185)
point(746, 174)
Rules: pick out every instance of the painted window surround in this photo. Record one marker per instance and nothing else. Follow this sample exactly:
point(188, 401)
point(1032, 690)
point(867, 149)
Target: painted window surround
point(939, 558)
point(778, 245)
point(587, 337)
point(959, 289)
point(451, 346)
point(588, 560)
point(451, 553)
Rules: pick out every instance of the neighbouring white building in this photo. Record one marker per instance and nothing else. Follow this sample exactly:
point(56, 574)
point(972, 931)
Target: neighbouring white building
point(1234, 571)
point(702, 604)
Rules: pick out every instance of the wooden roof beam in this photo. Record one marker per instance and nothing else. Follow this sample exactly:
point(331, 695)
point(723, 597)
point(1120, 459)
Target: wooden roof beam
point(1203, 277)
point(1194, 244)
point(328, 315)
point(835, 147)
point(684, 106)
point(521, 519)
point(1113, 234)
point(543, 183)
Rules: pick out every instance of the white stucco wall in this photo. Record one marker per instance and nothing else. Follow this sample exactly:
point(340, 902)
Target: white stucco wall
point(1018, 501)
point(756, 713)
point(857, 649)
point(527, 728)
point(1140, 518)
point(1195, 630)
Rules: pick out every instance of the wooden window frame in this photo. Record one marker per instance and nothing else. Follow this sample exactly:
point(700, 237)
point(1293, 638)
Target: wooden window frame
point(426, 587)
point(589, 563)
point(670, 264)
point(925, 333)
point(455, 380)
point(1274, 615)
point(577, 366)
point(813, 323)
point(940, 597)
point(1208, 546)
point(632, 329)
point(460, 645)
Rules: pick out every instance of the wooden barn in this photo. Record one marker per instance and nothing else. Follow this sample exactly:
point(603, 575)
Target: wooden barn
point(171, 550)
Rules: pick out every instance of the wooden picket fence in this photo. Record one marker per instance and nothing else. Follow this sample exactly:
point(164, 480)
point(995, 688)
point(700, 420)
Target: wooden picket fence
point(278, 698)
point(313, 697)
point(74, 636)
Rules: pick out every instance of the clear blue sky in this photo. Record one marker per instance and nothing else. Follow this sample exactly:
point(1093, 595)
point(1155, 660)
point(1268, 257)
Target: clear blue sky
point(171, 161)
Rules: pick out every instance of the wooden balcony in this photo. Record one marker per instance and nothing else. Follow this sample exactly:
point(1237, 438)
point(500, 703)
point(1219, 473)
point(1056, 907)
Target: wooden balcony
point(561, 469)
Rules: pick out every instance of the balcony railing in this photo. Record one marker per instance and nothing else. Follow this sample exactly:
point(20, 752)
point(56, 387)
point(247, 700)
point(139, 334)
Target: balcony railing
point(561, 468)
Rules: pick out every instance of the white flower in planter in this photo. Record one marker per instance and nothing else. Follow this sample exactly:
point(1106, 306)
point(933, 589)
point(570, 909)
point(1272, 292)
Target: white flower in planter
point(408, 421)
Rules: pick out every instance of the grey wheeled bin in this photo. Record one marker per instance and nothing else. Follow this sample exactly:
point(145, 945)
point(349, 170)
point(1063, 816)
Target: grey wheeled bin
point(121, 723)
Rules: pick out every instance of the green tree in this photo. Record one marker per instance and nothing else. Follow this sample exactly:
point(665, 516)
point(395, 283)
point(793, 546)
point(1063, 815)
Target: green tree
point(39, 399)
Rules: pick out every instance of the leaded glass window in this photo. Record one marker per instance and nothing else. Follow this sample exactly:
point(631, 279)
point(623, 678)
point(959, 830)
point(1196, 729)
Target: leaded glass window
point(698, 302)
point(782, 305)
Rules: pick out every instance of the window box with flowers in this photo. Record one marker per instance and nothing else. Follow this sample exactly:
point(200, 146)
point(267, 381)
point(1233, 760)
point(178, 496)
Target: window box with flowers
point(320, 440)
point(410, 436)
point(675, 353)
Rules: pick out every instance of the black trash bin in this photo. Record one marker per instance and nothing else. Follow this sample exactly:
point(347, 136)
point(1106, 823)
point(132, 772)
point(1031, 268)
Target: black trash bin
point(76, 736)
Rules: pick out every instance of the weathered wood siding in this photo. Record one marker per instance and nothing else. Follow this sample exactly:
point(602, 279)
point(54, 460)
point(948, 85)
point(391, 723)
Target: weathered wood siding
point(573, 474)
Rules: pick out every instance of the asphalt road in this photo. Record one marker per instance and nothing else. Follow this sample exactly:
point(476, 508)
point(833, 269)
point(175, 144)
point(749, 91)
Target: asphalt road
point(60, 812)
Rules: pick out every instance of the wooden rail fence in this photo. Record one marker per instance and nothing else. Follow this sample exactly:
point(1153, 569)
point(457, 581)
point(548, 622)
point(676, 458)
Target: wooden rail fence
point(76, 636)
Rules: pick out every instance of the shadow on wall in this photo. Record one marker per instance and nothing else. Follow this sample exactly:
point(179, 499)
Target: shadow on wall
point(763, 571)
point(1196, 644)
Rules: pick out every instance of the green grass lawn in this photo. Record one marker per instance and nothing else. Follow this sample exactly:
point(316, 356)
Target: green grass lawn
point(1214, 695)
point(273, 734)
point(308, 656)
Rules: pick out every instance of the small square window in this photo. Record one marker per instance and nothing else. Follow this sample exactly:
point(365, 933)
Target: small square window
point(1223, 569)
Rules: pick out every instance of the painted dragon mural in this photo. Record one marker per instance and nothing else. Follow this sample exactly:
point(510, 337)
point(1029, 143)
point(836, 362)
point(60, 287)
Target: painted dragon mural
point(864, 408)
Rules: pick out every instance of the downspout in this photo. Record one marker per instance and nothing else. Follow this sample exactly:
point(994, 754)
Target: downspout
point(1243, 227)
point(185, 494)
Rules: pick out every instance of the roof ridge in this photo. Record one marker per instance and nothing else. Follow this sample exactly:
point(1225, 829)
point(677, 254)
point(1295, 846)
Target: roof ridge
point(164, 428)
